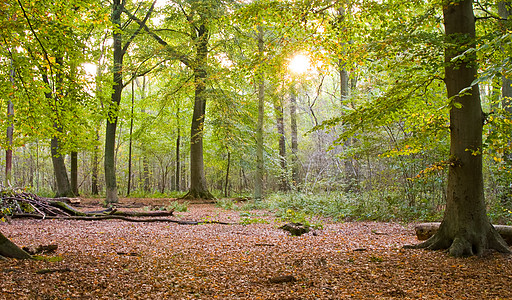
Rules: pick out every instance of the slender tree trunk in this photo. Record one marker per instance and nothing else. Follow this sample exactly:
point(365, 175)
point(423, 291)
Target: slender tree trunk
point(465, 229)
point(226, 181)
point(258, 183)
point(145, 174)
point(10, 133)
point(198, 187)
point(294, 136)
point(74, 173)
point(95, 166)
point(283, 185)
point(130, 143)
point(505, 10)
point(178, 161)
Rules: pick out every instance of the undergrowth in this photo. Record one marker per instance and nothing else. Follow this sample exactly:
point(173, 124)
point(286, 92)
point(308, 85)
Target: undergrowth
point(300, 207)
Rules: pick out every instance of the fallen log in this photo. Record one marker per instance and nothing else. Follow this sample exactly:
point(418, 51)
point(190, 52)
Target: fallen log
point(425, 230)
point(107, 217)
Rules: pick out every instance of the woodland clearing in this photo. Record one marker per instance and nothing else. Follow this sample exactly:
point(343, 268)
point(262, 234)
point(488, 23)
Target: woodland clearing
point(115, 259)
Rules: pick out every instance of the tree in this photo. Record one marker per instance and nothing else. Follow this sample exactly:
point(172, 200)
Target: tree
point(505, 10)
point(120, 49)
point(465, 229)
point(9, 249)
point(200, 34)
point(258, 184)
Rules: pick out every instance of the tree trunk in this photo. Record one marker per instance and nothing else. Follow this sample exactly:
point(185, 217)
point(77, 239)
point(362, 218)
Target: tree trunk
point(226, 181)
point(59, 168)
point(145, 174)
point(425, 230)
point(295, 143)
point(9, 249)
point(178, 162)
point(130, 143)
point(10, 132)
point(95, 166)
point(504, 10)
point(283, 183)
point(113, 108)
point(258, 182)
point(198, 187)
point(465, 229)
point(74, 173)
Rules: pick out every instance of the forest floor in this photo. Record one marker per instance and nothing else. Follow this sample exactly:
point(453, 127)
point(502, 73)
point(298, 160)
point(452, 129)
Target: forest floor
point(116, 259)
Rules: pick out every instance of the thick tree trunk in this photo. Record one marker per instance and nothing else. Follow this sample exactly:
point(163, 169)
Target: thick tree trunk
point(465, 229)
point(9, 249)
point(258, 182)
point(59, 169)
point(198, 187)
point(425, 230)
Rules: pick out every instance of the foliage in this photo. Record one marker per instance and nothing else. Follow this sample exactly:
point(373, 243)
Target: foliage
point(178, 206)
point(225, 203)
point(364, 206)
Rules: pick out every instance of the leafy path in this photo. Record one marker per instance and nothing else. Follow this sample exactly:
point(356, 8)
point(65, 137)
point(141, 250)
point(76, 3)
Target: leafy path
point(358, 260)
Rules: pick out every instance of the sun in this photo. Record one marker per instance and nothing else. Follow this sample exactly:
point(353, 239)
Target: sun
point(299, 64)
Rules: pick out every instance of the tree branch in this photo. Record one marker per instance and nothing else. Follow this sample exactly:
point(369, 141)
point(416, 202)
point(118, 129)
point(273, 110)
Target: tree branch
point(143, 23)
point(174, 53)
point(45, 53)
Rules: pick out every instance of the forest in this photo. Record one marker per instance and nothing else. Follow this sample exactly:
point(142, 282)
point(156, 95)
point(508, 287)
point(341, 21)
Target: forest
point(363, 117)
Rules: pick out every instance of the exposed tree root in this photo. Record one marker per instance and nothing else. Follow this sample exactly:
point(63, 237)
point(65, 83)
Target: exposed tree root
point(464, 244)
point(194, 194)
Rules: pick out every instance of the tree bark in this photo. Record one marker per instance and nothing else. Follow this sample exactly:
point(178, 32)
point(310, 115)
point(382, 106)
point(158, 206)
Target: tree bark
point(283, 185)
point(178, 146)
point(198, 186)
point(505, 10)
point(95, 166)
point(74, 173)
point(258, 182)
point(9, 249)
point(465, 229)
point(130, 142)
point(226, 181)
point(113, 107)
point(120, 49)
point(294, 137)
point(59, 167)
point(10, 131)
point(425, 230)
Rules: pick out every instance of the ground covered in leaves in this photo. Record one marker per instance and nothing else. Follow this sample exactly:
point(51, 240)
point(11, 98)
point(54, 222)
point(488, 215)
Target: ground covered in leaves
point(116, 259)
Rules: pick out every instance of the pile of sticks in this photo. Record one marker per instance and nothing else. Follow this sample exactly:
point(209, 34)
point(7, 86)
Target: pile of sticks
point(20, 204)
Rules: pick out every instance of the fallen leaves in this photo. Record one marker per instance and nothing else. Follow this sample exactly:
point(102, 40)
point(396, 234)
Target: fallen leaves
point(117, 259)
